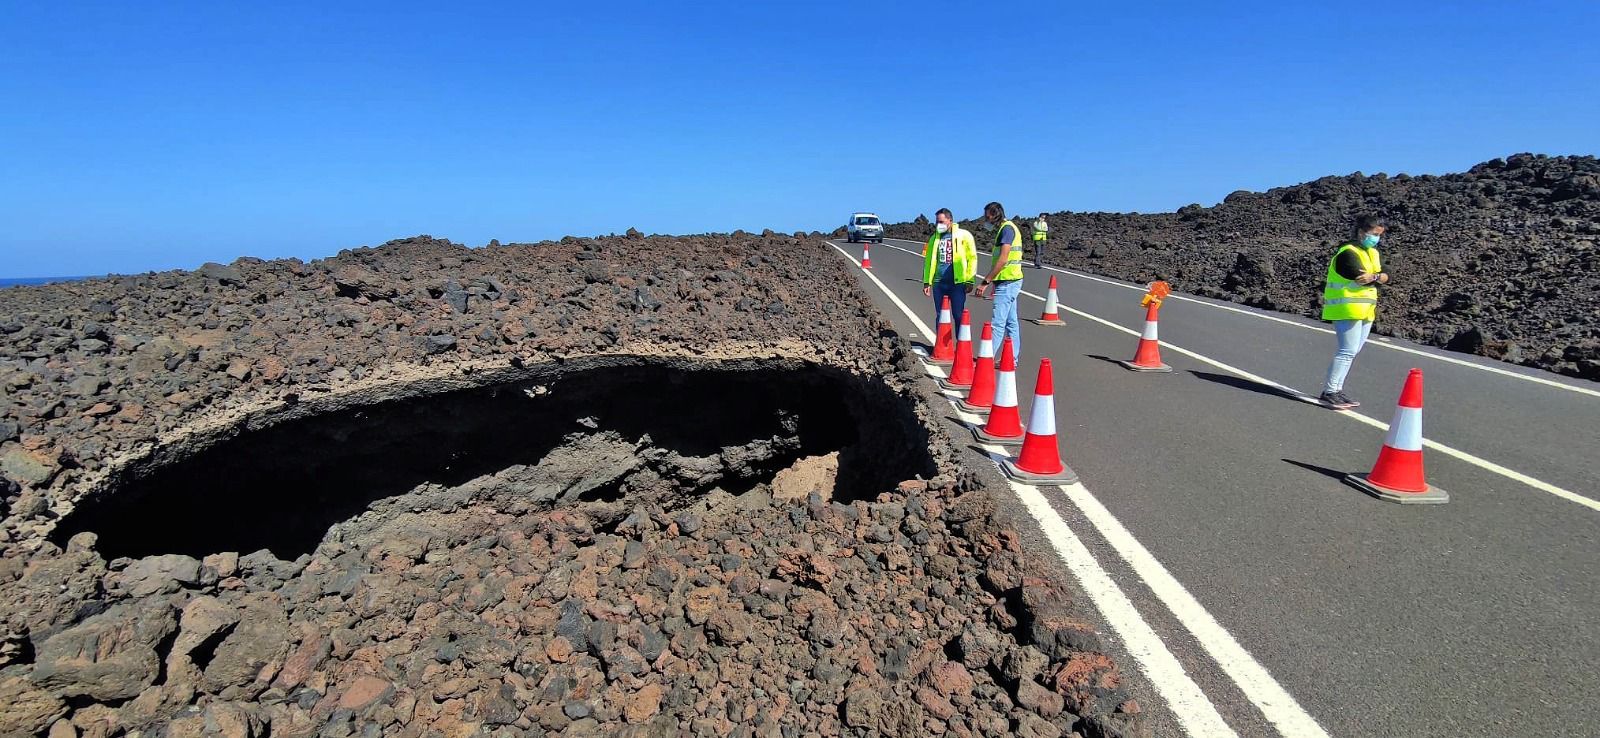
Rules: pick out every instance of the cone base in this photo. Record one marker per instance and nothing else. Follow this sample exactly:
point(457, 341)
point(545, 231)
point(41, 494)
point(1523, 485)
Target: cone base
point(984, 437)
point(940, 362)
point(1432, 496)
point(1048, 321)
point(1065, 476)
point(948, 384)
point(1161, 368)
point(971, 408)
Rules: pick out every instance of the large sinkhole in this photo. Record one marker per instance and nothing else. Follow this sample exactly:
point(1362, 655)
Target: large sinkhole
point(694, 427)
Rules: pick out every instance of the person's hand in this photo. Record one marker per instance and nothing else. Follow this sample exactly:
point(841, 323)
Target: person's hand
point(1367, 278)
point(969, 288)
point(927, 290)
point(1383, 277)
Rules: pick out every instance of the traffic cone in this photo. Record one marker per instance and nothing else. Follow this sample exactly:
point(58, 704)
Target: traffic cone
point(1148, 357)
point(961, 371)
point(944, 347)
point(1051, 305)
point(866, 256)
point(1397, 475)
point(1039, 462)
point(1005, 424)
point(981, 396)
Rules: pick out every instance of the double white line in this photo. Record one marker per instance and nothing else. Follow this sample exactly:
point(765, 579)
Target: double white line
point(1194, 711)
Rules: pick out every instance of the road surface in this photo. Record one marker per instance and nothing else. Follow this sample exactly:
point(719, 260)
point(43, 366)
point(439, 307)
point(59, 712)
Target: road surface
point(1270, 597)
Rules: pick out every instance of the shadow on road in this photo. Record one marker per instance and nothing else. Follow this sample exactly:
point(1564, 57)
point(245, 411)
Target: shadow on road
point(1107, 359)
point(1246, 384)
point(1324, 471)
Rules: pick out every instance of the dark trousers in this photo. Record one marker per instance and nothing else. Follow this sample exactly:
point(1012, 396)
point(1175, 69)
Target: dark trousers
point(958, 301)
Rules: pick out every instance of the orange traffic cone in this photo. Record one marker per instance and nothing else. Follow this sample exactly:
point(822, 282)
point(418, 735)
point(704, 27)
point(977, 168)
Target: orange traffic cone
point(961, 371)
point(944, 346)
point(1051, 305)
point(1005, 424)
point(866, 257)
point(1039, 462)
point(981, 396)
point(1397, 476)
point(1148, 357)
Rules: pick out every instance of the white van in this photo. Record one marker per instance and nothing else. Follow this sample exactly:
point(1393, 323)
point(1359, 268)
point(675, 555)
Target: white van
point(864, 227)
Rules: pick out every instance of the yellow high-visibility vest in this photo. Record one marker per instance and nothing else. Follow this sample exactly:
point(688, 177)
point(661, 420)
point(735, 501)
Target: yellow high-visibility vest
point(1344, 299)
point(1013, 267)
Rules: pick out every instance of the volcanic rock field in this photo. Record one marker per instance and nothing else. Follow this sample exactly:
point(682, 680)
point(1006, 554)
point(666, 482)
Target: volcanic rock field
point(619, 486)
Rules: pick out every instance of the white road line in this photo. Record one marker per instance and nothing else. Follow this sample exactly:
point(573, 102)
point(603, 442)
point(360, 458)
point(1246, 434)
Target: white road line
point(1377, 340)
point(1447, 450)
point(1194, 711)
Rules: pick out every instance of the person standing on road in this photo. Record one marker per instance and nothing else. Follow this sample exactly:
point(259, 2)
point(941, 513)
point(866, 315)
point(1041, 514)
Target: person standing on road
point(1005, 276)
point(1041, 233)
point(949, 263)
point(1350, 300)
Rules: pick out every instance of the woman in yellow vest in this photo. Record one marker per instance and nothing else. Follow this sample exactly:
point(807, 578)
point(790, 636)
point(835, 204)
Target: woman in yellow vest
point(949, 262)
point(1350, 300)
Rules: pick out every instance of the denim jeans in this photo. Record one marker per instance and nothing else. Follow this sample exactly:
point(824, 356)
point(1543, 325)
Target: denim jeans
point(1005, 316)
point(1352, 335)
point(958, 300)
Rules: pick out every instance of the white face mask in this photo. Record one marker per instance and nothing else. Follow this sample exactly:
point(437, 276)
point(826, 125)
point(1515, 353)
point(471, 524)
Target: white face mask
point(944, 227)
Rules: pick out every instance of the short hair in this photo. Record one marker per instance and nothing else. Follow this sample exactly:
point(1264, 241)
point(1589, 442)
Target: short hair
point(995, 208)
point(945, 212)
point(1367, 222)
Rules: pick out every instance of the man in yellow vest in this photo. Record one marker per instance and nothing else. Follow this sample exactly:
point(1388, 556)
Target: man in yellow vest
point(1041, 233)
point(1350, 300)
point(949, 263)
point(1005, 276)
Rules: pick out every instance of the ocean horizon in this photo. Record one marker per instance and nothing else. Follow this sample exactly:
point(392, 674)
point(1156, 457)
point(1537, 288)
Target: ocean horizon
point(19, 281)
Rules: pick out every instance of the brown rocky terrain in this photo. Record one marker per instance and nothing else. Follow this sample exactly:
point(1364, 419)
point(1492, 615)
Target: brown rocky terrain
point(1502, 260)
point(621, 486)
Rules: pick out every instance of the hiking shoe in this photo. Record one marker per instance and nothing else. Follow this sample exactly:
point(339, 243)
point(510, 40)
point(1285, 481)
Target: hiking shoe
point(1337, 400)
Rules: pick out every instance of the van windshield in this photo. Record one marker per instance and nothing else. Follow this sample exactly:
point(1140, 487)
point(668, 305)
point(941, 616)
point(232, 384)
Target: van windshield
point(866, 220)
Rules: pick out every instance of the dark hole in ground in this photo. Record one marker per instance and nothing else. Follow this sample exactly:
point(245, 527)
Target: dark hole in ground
point(282, 487)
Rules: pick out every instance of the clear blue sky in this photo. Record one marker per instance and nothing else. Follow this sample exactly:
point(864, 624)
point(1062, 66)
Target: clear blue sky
point(139, 136)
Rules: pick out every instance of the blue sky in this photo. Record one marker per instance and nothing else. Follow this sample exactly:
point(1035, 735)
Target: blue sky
point(140, 136)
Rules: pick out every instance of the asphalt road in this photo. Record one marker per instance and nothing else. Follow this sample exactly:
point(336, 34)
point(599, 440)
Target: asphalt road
point(1478, 617)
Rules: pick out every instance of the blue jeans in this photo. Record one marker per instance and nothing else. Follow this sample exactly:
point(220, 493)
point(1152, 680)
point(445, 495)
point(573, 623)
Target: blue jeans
point(1005, 316)
point(958, 301)
point(1352, 336)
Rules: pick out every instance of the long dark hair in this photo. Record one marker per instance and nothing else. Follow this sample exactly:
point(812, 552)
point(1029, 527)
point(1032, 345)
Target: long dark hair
point(996, 210)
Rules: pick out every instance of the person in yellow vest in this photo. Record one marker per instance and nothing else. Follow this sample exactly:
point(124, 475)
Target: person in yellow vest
point(1350, 300)
point(1041, 233)
point(949, 264)
point(1005, 277)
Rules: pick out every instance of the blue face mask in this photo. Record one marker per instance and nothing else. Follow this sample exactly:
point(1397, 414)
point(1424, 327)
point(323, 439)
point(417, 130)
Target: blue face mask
point(1369, 240)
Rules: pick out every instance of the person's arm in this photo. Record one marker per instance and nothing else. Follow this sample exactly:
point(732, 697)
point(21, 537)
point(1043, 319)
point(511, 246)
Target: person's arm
point(927, 271)
point(1349, 266)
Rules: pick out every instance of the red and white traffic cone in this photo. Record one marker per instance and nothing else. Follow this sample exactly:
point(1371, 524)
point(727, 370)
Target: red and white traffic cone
point(944, 345)
point(1397, 476)
point(1148, 357)
point(1051, 305)
point(981, 396)
point(1005, 423)
point(1039, 462)
point(961, 371)
point(866, 257)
